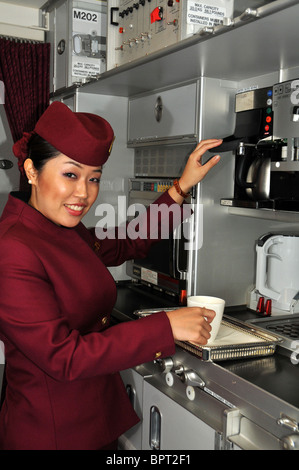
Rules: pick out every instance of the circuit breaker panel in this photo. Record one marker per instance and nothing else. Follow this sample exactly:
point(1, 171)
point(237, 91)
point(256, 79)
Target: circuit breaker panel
point(140, 27)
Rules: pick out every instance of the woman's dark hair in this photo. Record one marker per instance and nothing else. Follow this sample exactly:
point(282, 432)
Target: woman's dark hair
point(40, 151)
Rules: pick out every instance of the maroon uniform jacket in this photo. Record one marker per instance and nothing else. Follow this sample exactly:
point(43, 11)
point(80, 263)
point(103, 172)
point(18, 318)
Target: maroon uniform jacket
point(64, 390)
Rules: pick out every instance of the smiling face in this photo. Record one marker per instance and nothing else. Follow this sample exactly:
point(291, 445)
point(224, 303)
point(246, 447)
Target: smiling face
point(64, 190)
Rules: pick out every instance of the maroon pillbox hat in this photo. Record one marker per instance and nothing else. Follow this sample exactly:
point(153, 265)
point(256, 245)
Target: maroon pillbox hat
point(84, 137)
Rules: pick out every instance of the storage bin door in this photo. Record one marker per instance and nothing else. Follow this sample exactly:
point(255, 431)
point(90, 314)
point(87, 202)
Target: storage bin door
point(169, 115)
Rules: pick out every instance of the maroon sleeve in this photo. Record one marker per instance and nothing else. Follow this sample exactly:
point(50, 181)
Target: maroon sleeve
point(31, 319)
point(135, 240)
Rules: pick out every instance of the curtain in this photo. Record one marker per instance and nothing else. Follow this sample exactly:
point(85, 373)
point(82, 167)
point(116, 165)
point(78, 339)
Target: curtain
point(25, 72)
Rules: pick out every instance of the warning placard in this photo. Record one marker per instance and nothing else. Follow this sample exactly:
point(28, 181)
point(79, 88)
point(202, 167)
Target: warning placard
point(203, 14)
point(89, 43)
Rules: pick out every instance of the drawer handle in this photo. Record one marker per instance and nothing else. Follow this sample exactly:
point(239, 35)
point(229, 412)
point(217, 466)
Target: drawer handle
point(158, 109)
point(155, 428)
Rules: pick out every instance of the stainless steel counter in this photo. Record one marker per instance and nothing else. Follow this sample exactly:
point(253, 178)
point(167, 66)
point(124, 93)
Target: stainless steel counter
point(261, 393)
point(276, 374)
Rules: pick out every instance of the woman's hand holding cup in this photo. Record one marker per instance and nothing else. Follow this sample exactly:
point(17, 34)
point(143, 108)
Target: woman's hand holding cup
point(191, 324)
point(214, 303)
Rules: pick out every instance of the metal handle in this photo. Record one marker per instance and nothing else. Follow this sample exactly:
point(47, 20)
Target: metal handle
point(61, 46)
point(155, 428)
point(112, 10)
point(132, 394)
point(175, 246)
point(177, 241)
point(5, 164)
point(158, 109)
point(231, 423)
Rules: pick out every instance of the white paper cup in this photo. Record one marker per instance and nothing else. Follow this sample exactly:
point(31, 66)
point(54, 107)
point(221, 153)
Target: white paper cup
point(211, 303)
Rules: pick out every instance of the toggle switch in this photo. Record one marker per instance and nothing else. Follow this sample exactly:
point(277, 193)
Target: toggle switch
point(192, 379)
point(157, 14)
point(268, 308)
point(260, 306)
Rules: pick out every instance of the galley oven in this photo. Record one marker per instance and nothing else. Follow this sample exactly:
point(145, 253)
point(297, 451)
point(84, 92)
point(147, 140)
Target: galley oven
point(165, 267)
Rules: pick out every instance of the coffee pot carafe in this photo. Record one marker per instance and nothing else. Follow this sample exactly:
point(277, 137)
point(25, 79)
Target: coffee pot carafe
point(252, 172)
point(277, 271)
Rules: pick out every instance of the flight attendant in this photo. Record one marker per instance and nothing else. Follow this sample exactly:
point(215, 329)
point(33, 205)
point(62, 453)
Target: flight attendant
point(63, 360)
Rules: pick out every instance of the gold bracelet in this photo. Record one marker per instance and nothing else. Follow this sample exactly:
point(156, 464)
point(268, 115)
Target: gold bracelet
point(179, 190)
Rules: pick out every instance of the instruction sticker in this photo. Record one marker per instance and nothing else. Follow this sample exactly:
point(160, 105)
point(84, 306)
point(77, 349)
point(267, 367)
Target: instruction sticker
point(202, 14)
point(149, 276)
point(89, 43)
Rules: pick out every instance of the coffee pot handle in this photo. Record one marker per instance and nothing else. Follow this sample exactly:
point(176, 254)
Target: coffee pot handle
point(261, 270)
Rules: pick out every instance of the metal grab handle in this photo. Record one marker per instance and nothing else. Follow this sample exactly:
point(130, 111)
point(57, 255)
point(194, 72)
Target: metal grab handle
point(175, 241)
point(112, 10)
point(155, 428)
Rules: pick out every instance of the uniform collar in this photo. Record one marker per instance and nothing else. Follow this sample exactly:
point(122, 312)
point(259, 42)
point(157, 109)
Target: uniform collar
point(18, 205)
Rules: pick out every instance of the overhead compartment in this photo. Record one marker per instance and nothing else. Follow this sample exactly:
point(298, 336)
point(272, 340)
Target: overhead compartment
point(168, 115)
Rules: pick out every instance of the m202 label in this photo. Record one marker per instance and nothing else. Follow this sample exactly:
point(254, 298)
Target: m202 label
point(84, 15)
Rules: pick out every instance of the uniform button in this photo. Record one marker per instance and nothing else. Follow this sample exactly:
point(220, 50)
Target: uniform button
point(96, 247)
point(104, 320)
point(158, 354)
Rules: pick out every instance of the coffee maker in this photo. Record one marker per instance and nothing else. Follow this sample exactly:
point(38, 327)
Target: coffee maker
point(266, 145)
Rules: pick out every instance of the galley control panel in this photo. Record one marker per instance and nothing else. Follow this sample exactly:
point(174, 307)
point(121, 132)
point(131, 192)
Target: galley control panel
point(140, 27)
